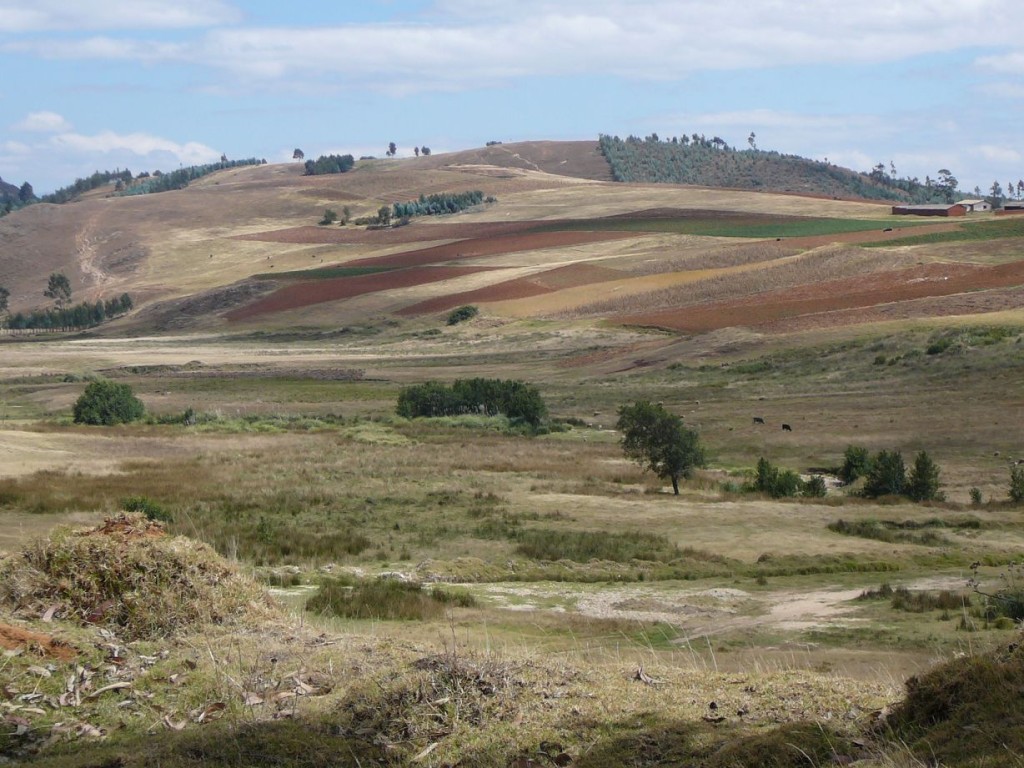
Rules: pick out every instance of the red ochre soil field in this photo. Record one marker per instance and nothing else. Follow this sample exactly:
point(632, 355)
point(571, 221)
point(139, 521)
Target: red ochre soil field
point(488, 246)
point(412, 268)
point(311, 292)
point(873, 290)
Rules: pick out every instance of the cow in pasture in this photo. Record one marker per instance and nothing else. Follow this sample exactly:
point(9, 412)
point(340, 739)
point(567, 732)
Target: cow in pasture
point(786, 428)
point(758, 420)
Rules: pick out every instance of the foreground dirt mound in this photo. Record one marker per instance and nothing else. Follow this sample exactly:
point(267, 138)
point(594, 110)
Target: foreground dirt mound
point(128, 574)
point(966, 712)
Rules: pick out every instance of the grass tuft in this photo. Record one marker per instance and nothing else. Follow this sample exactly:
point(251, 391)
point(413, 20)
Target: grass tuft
point(128, 574)
point(384, 599)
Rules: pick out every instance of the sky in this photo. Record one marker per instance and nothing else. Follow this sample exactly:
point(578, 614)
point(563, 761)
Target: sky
point(920, 85)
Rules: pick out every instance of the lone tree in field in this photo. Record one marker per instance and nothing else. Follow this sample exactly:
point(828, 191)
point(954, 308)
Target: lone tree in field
point(1017, 485)
point(298, 154)
point(923, 483)
point(657, 441)
point(887, 476)
point(107, 403)
point(4, 296)
point(58, 288)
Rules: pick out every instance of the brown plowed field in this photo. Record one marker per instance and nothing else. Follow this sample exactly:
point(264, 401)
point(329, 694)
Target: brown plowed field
point(489, 246)
point(974, 303)
point(481, 239)
point(319, 291)
point(570, 276)
point(882, 288)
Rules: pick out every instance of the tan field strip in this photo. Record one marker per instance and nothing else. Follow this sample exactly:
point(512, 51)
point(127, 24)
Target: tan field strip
point(580, 296)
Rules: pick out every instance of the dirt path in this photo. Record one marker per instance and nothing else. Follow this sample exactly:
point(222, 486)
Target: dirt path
point(87, 254)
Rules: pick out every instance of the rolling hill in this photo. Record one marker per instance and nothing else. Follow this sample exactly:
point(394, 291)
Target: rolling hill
point(241, 248)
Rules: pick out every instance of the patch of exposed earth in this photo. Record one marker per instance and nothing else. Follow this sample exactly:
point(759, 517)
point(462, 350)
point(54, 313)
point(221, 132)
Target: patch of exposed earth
point(698, 612)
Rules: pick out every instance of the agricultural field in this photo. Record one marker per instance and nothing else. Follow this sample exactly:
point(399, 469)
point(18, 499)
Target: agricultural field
point(547, 600)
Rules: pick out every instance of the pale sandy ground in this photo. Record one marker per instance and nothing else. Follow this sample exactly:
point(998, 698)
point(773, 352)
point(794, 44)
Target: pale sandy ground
point(698, 612)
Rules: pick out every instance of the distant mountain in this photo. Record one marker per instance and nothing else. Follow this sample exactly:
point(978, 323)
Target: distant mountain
point(8, 191)
point(712, 162)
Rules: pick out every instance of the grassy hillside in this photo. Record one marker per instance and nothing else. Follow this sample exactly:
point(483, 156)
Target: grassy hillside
point(713, 163)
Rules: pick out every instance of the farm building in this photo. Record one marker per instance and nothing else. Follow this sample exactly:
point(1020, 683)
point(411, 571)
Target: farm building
point(974, 205)
point(934, 209)
point(1008, 207)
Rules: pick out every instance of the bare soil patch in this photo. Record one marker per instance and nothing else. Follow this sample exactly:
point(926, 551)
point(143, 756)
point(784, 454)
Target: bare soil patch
point(17, 639)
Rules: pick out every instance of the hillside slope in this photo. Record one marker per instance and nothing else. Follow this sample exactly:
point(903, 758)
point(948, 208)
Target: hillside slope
point(241, 248)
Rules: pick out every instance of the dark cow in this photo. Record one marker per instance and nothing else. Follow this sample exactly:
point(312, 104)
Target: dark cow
point(786, 428)
point(758, 420)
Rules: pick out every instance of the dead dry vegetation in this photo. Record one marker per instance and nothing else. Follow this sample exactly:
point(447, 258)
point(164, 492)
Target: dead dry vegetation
point(560, 606)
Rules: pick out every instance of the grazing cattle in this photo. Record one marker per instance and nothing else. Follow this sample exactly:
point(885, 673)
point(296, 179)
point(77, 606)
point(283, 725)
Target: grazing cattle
point(786, 428)
point(758, 420)
point(887, 229)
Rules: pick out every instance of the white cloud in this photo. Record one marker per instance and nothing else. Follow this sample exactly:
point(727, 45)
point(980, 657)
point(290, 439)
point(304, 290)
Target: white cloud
point(142, 145)
point(470, 43)
point(102, 48)
point(653, 40)
point(16, 148)
point(47, 15)
point(1009, 63)
point(43, 122)
point(1003, 155)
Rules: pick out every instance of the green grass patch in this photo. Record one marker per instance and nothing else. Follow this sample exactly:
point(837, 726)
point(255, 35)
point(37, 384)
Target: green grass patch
point(996, 229)
point(905, 532)
point(724, 225)
point(583, 546)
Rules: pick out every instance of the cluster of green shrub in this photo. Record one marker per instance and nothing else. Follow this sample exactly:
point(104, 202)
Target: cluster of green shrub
point(437, 205)
point(326, 164)
point(107, 403)
point(697, 159)
point(885, 474)
point(13, 197)
point(779, 483)
point(517, 400)
point(384, 599)
point(81, 186)
point(918, 601)
point(461, 314)
point(144, 505)
point(965, 338)
point(181, 178)
point(84, 315)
